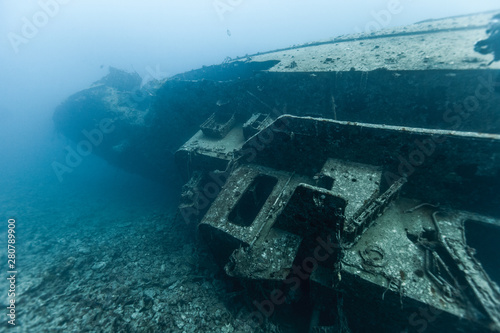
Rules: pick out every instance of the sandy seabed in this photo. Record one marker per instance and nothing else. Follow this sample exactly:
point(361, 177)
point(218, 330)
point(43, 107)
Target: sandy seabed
point(107, 254)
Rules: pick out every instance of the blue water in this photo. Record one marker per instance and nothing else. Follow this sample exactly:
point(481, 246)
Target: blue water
point(100, 250)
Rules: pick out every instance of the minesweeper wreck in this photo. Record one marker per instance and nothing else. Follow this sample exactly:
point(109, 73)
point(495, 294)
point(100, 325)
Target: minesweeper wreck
point(356, 180)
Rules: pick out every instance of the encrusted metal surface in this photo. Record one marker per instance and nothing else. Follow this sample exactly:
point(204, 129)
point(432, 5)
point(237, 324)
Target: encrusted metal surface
point(305, 184)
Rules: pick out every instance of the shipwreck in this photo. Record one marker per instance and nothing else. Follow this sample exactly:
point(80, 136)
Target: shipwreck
point(358, 176)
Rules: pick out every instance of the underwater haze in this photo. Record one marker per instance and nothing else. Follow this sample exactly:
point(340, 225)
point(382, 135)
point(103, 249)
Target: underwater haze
point(95, 247)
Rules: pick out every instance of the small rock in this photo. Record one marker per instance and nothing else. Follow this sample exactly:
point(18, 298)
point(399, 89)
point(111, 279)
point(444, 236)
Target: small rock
point(99, 265)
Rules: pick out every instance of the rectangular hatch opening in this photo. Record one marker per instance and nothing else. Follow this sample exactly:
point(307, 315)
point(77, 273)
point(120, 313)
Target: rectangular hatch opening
point(483, 237)
point(250, 203)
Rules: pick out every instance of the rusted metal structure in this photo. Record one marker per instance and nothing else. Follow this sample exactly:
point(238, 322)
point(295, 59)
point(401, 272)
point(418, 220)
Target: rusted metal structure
point(358, 175)
point(304, 182)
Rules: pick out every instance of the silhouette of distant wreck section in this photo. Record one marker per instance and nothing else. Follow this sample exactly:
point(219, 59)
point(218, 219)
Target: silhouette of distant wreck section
point(120, 80)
